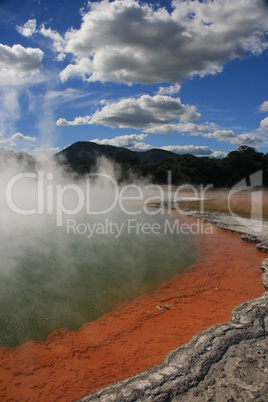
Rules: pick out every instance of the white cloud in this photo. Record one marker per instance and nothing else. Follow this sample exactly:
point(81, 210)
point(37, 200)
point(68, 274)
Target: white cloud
point(192, 128)
point(131, 141)
point(12, 140)
point(236, 139)
point(143, 112)
point(135, 143)
point(212, 131)
point(28, 29)
point(221, 135)
point(80, 69)
point(218, 154)
point(21, 137)
point(189, 149)
point(18, 62)
point(264, 126)
point(7, 142)
point(78, 121)
point(130, 41)
point(204, 130)
point(58, 41)
point(171, 90)
point(195, 150)
point(67, 95)
point(248, 139)
point(264, 107)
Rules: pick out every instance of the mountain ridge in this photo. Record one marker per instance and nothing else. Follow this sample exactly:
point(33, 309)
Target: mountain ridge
point(82, 150)
point(154, 164)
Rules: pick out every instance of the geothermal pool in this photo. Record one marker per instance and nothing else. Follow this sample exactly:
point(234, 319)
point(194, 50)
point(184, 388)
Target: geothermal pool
point(250, 203)
point(52, 279)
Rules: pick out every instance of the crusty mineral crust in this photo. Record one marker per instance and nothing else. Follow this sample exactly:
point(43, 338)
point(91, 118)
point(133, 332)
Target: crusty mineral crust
point(251, 230)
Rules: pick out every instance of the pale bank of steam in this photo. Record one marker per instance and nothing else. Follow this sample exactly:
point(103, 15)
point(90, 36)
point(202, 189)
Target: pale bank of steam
point(50, 278)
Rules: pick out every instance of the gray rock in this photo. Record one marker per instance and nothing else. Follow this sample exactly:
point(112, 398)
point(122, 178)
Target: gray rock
point(238, 376)
point(249, 238)
point(264, 265)
point(224, 363)
point(264, 278)
point(263, 246)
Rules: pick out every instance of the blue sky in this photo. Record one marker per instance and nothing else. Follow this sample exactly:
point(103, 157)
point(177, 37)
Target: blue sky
point(187, 76)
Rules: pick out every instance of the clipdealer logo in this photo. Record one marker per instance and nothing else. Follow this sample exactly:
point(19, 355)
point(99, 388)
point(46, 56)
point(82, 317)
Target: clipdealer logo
point(51, 196)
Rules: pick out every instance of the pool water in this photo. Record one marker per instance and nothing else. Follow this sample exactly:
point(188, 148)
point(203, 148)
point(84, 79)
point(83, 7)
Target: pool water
point(52, 279)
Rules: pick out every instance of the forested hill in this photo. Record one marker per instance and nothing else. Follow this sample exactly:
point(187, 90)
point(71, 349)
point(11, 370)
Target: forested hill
point(81, 152)
point(81, 157)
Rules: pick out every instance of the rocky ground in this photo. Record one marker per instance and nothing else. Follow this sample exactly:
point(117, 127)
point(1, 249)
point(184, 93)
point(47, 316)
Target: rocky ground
point(227, 362)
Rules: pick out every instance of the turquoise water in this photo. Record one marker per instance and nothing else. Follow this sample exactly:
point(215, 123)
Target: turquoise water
point(50, 279)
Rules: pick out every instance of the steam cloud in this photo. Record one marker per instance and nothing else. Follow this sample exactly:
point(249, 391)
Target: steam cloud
point(50, 278)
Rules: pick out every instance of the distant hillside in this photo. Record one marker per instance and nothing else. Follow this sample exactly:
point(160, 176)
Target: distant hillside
point(20, 159)
point(85, 151)
point(81, 157)
point(154, 164)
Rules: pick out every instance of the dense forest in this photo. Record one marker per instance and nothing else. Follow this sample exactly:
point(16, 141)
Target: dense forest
point(155, 164)
point(226, 172)
point(81, 158)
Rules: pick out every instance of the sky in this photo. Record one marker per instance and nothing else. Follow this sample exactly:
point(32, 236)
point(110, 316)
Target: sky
point(187, 76)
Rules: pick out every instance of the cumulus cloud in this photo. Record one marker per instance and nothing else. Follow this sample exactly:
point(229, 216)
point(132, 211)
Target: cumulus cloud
point(58, 41)
point(131, 141)
point(212, 131)
point(19, 62)
point(171, 90)
point(248, 139)
point(264, 126)
point(135, 143)
point(264, 107)
point(28, 29)
point(78, 70)
point(143, 112)
point(78, 121)
point(192, 128)
point(21, 137)
point(12, 141)
point(7, 142)
point(189, 149)
point(218, 154)
point(196, 150)
point(130, 41)
point(221, 135)
point(236, 139)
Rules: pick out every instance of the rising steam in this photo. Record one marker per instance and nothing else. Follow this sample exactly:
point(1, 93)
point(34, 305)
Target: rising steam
point(52, 273)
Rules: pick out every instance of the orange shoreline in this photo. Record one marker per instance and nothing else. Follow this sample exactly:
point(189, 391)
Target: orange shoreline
point(136, 334)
